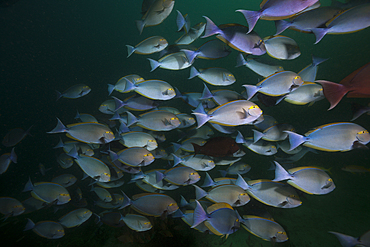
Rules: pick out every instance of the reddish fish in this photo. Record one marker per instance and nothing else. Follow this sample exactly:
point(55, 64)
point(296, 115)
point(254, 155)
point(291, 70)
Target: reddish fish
point(356, 84)
point(220, 146)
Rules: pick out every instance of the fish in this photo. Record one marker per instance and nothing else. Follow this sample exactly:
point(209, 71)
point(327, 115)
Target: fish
point(65, 161)
point(264, 228)
point(261, 69)
point(138, 223)
point(310, 180)
point(46, 229)
point(231, 194)
point(213, 49)
point(152, 204)
point(355, 85)
point(270, 193)
point(275, 10)
point(260, 147)
point(120, 85)
point(102, 193)
point(182, 22)
point(148, 46)
point(65, 180)
point(308, 20)
point(334, 137)
point(138, 139)
point(277, 84)
point(236, 168)
point(355, 169)
point(273, 133)
point(109, 107)
point(74, 92)
point(6, 159)
point(14, 136)
point(237, 112)
point(179, 175)
point(194, 33)
point(75, 217)
point(220, 146)
point(349, 21)
point(158, 11)
point(85, 132)
point(135, 156)
point(173, 61)
point(281, 47)
point(196, 162)
point(221, 219)
point(48, 192)
point(237, 37)
point(186, 120)
point(358, 110)
point(348, 241)
point(214, 76)
point(221, 96)
point(92, 166)
point(307, 93)
point(266, 122)
point(155, 120)
point(31, 204)
point(11, 207)
point(308, 73)
point(86, 118)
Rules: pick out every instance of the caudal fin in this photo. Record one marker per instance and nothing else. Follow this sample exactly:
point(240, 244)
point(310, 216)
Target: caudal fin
point(251, 17)
point(211, 28)
point(333, 92)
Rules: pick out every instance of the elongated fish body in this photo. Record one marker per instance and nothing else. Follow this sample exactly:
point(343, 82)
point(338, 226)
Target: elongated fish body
point(14, 136)
point(236, 37)
point(155, 89)
point(232, 194)
point(308, 92)
point(212, 49)
point(148, 46)
point(308, 20)
point(85, 132)
point(274, 194)
point(75, 217)
point(264, 228)
point(137, 222)
point(158, 11)
point(349, 21)
point(277, 84)
point(308, 74)
point(238, 112)
point(173, 61)
point(221, 96)
point(181, 175)
point(46, 229)
point(93, 167)
point(273, 133)
point(346, 240)
point(139, 139)
point(10, 207)
point(120, 85)
point(276, 10)
point(153, 204)
point(260, 147)
point(65, 180)
point(311, 180)
point(214, 76)
point(155, 120)
point(48, 192)
point(135, 156)
point(197, 162)
point(332, 137)
point(262, 69)
point(193, 34)
point(186, 120)
point(74, 92)
point(281, 47)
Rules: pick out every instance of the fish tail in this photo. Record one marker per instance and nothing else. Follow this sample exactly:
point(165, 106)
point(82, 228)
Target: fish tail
point(130, 50)
point(240, 60)
point(159, 176)
point(118, 103)
point(183, 202)
point(199, 215)
point(251, 17)
point(175, 147)
point(281, 25)
point(178, 93)
point(240, 138)
point(123, 128)
point(78, 116)
point(333, 92)
point(251, 90)
point(211, 28)
point(28, 186)
point(131, 119)
point(13, 156)
point(257, 136)
point(207, 94)
point(199, 193)
point(60, 144)
point(180, 21)
point(295, 139)
point(223, 173)
point(115, 116)
point(140, 24)
point(126, 201)
point(59, 95)
point(281, 173)
point(110, 89)
point(358, 110)
point(201, 116)
point(346, 240)
point(176, 160)
point(153, 64)
point(242, 183)
point(113, 156)
point(30, 225)
point(73, 153)
point(318, 60)
point(319, 33)
point(190, 55)
point(193, 72)
point(208, 181)
point(59, 128)
point(197, 148)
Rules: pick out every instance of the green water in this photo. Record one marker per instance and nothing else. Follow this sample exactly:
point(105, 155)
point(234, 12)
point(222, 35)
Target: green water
point(50, 45)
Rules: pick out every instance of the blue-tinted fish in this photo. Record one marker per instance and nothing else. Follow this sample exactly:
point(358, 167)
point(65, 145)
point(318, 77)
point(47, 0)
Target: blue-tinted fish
point(260, 147)
point(74, 92)
point(138, 139)
point(10, 207)
point(308, 73)
point(183, 22)
point(46, 229)
point(135, 156)
point(65, 180)
point(349, 241)
point(152, 89)
point(262, 69)
point(173, 61)
point(213, 49)
point(281, 47)
point(84, 117)
point(120, 86)
point(6, 159)
point(221, 96)
point(75, 217)
point(137, 222)
point(193, 34)
point(214, 76)
point(179, 175)
point(307, 93)
point(148, 46)
point(273, 133)
point(155, 120)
